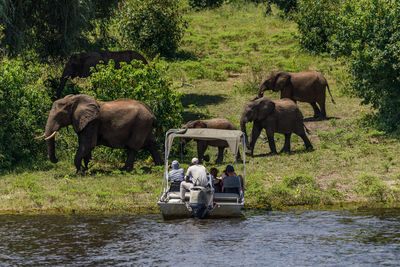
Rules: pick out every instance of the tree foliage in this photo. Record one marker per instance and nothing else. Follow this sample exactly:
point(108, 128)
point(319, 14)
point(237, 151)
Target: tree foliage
point(23, 105)
point(198, 4)
point(316, 20)
point(152, 26)
point(143, 83)
point(50, 27)
point(367, 33)
point(285, 5)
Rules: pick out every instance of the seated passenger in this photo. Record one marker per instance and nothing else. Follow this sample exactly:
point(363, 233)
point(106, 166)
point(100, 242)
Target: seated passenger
point(217, 182)
point(176, 175)
point(235, 182)
point(199, 178)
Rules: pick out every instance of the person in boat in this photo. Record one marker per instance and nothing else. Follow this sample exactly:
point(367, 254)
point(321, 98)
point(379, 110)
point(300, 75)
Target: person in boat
point(230, 172)
point(199, 178)
point(217, 182)
point(176, 176)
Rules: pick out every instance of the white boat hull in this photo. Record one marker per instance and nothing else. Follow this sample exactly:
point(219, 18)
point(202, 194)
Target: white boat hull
point(176, 210)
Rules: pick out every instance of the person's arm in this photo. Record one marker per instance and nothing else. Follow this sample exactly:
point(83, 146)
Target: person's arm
point(187, 176)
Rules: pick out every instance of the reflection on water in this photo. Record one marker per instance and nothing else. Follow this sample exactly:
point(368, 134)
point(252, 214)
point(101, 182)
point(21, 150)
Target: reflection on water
point(272, 238)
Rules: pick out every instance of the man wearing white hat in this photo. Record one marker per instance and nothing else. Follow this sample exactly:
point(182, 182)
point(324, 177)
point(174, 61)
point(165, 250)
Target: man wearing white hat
point(199, 177)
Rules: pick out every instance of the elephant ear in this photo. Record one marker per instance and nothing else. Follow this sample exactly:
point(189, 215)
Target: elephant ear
point(86, 110)
point(282, 81)
point(265, 108)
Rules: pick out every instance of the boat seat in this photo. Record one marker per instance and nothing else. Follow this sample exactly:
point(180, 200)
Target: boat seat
point(218, 197)
point(175, 186)
point(231, 184)
point(226, 197)
point(177, 195)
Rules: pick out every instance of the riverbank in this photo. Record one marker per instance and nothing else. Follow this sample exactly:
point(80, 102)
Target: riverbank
point(227, 52)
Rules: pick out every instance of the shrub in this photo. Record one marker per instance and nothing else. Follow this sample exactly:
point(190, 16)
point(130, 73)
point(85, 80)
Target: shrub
point(316, 21)
point(204, 3)
point(23, 107)
point(285, 5)
point(143, 83)
point(152, 26)
point(375, 67)
point(299, 189)
point(372, 187)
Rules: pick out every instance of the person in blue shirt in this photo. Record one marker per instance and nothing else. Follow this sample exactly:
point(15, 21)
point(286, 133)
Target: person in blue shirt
point(176, 174)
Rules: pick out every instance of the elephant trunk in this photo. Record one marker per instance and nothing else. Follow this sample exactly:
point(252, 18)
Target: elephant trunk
point(243, 129)
point(50, 142)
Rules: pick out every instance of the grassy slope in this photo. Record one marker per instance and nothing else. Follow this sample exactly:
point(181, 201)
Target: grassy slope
point(226, 52)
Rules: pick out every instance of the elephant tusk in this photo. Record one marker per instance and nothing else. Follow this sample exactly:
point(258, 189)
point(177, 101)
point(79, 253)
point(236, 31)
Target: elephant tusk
point(51, 136)
point(40, 137)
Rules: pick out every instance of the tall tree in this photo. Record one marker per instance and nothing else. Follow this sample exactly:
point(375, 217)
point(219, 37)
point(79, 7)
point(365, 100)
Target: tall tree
point(52, 28)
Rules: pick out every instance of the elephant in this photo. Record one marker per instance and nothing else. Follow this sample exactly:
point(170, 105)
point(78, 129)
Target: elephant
point(123, 123)
point(79, 65)
point(217, 123)
point(305, 86)
point(280, 116)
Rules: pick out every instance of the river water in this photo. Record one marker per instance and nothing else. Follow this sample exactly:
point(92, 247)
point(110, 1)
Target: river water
point(329, 238)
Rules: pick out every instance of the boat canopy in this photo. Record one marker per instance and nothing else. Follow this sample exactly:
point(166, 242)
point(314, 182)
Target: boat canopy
point(232, 137)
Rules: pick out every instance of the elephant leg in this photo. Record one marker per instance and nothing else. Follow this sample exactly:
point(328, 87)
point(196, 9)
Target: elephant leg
point(86, 142)
point(129, 162)
point(286, 147)
point(307, 142)
point(220, 154)
point(84, 152)
point(255, 133)
point(86, 160)
point(323, 111)
point(271, 143)
point(239, 156)
point(201, 149)
point(151, 146)
point(317, 112)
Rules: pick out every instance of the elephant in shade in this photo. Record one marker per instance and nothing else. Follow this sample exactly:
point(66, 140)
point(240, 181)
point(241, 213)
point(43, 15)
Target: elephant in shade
point(79, 65)
point(218, 123)
point(280, 116)
point(305, 86)
point(122, 123)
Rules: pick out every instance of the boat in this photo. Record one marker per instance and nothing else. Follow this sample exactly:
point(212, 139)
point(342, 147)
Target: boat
point(203, 202)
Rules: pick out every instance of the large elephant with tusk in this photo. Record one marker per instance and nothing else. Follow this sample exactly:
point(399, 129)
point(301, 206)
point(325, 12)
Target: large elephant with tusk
point(123, 124)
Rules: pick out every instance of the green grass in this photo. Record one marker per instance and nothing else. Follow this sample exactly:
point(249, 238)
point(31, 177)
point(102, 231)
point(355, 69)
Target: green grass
point(224, 54)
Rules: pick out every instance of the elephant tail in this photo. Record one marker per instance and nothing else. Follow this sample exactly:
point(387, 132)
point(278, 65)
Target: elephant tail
point(307, 130)
point(333, 101)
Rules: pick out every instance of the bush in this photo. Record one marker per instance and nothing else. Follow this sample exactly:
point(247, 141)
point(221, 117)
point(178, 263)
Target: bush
point(204, 3)
point(372, 43)
point(316, 20)
point(299, 189)
point(368, 34)
point(23, 113)
point(286, 5)
point(372, 187)
point(143, 83)
point(152, 26)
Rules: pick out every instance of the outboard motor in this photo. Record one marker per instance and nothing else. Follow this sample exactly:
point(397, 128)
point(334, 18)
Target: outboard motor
point(198, 201)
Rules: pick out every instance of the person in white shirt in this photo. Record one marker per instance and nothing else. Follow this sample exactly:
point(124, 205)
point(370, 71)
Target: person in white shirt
point(199, 178)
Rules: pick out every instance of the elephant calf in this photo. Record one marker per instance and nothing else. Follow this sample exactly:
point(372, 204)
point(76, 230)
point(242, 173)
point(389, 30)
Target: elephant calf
point(218, 123)
point(305, 86)
point(280, 116)
point(122, 123)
